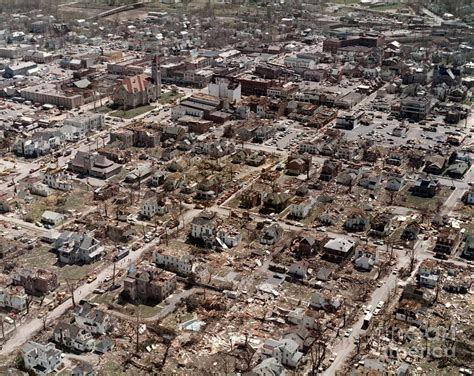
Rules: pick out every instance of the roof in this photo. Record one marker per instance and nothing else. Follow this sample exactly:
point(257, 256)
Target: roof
point(339, 244)
point(50, 215)
point(136, 83)
point(82, 84)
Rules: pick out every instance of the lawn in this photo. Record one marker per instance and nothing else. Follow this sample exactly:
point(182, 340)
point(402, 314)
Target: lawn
point(143, 310)
point(57, 202)
point(133, 112)
point(112, 368)
point(408, 200)
point(41, 257)
point(104, 109)
point(168, 97)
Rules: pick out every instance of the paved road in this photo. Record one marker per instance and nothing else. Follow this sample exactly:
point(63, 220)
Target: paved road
point(23, 224)
point(27, 330)
point(346, 345)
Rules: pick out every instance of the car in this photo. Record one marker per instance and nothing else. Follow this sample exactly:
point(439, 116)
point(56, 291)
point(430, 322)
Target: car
point(376, 311)
point(348, 332)
point(379, 284)
point(380, 304)
point(108, 278)
point(333, 357)
point(16, 227)
point(99, 291)
point(356, 340)
point(91, 278)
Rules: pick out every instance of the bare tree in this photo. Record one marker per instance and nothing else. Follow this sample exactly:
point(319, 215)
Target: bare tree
point(71, 285)
point(44, 319)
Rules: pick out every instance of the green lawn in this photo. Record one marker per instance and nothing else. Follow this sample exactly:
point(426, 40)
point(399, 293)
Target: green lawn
point(168, 97)
point(104, 109)
point(130, 114)
point(408, 200)
point(41, 257)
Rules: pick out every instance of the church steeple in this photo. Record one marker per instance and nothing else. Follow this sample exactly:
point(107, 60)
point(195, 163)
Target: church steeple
point(156, 74)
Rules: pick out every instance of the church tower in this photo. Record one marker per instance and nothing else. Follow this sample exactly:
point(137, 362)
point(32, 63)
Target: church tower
point(156, 75)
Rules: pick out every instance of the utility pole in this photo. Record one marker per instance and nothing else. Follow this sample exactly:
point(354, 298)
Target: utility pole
point(113, 274)
point(137, 332)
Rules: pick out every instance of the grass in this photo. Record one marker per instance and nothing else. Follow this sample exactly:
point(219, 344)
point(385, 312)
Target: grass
point(168, 97)
point(143, 310)
point(133, 112)
point(104, 109)
point(112, 368)
point(103, 298)
point(57, 202)
point(42, 257)
point(415, 202)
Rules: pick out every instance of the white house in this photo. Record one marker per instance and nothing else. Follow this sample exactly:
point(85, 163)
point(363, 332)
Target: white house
point(231, 237)
point(225, 89)
point(41, 359)
point(57, 179)
point(73, 337)
point(13, 297)
point(86, 122)
point(320, 300)
point(152, 207)
point(92, 319)
point(286, 353)
point(365, 258)
point(202, 226)
point(300, 62)
point(180, 264)
point(302, 317)
point(299, 269)
point(269, 367)
point(302, 209)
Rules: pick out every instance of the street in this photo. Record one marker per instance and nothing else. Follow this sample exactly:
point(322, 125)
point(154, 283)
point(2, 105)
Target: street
point(26, 331)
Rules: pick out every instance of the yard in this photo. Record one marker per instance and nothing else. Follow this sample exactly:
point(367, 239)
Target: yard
point(133, 112)
point(57, 202)
point(43, 258)
point(169, 97)
point(423, 203)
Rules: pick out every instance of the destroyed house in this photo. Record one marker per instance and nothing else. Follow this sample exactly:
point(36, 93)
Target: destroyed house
point(176, 263)
point(425, 187)
point(447, 241)
point(330, 170)
point(35, 281)
point(76, 248)
point(337, 250)
point(381, 225)
point(357, 222)
point(149, 284)
point(92, 319)
point(41, 359)
point(73, 337)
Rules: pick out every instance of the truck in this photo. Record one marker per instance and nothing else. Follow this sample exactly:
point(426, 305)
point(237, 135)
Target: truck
point(367, 319)
point(121, 253)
